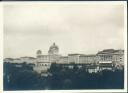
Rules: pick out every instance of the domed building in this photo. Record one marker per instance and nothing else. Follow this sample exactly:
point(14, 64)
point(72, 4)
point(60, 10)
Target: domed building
point(53, 49)
point(39, 52)
point(43, 62)
point(54, 53)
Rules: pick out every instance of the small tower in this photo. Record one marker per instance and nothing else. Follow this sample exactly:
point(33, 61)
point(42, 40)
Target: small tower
point(38, 53)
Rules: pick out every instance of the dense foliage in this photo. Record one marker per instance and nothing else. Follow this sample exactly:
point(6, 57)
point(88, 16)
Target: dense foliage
point(24, 78)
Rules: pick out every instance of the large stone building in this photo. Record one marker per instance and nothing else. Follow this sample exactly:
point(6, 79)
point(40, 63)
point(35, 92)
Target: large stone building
point(87, 59)
point(73, 58)
point(105, 59)
point(28, 60)
point(44, 62)
point(81, 59)
point(63, 60)
point(111, 56)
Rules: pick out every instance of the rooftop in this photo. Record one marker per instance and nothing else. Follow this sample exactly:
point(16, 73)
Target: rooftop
point(106, 51)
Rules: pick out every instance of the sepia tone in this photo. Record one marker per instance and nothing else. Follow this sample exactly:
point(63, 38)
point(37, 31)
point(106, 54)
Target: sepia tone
point(63, 46)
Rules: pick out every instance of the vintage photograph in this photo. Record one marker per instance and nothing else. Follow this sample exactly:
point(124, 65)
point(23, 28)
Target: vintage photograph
point(63, 46)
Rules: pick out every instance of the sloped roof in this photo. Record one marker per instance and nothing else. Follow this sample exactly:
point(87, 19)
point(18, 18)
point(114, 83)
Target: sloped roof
point(109, 51)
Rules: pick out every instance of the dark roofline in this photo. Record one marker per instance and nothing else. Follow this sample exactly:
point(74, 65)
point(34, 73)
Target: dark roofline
point(87, 55)
point(27, 57)
point(17, 59)
point(9, 58)
point(109, 51)
point(64, 56)
point(75, 54)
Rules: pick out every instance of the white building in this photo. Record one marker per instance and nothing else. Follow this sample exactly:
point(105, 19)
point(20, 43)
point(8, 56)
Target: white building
point(42, 67)
point(43, 62)
point(17, 60)
point(105, 59)
point(115, 57)
point(9, 60)
point(63, 60)
point(28, 60)
point(73, 58)
point(87, 59)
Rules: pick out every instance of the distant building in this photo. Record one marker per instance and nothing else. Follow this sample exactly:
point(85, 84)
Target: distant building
point(54, 53)
point(17, 60)
point(118, 58)
point(43, 62)
point(115, 57)
point(81, 59)
point(73, 58)
point(87, 59)
point(9, 60)
point(106, 66)
point(52, 56)
point(43, 58)
point(105, 59)
point(93, 69)
point(63, 60)
point(105, 55)
point(27, 60)
point(53, 50)
point(42, 67)
point(39, 53)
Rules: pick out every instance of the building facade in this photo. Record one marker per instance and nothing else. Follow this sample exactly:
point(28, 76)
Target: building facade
point(43, 62)
point(27, 60)
point(73, 58)
point(63, 60)
point(87, 59)
point(111, 56)
point(105, 59)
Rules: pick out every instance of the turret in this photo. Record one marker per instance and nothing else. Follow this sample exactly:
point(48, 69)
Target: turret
point(38, 53)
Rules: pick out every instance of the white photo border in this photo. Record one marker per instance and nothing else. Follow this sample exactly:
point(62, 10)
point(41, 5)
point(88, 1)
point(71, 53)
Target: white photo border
point(64, 2)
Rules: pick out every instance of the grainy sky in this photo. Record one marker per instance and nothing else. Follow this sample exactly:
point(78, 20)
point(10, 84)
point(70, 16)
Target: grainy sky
point(75, 28)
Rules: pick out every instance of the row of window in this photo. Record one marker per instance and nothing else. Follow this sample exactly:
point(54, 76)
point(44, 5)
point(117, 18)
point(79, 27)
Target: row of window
point(43, 64)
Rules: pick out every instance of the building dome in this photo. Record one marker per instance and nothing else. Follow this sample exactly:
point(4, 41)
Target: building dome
point(54, 49)
point(39, 52)
point(54, 46)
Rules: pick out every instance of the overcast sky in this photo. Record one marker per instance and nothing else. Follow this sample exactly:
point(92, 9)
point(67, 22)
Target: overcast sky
point(74, 28)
